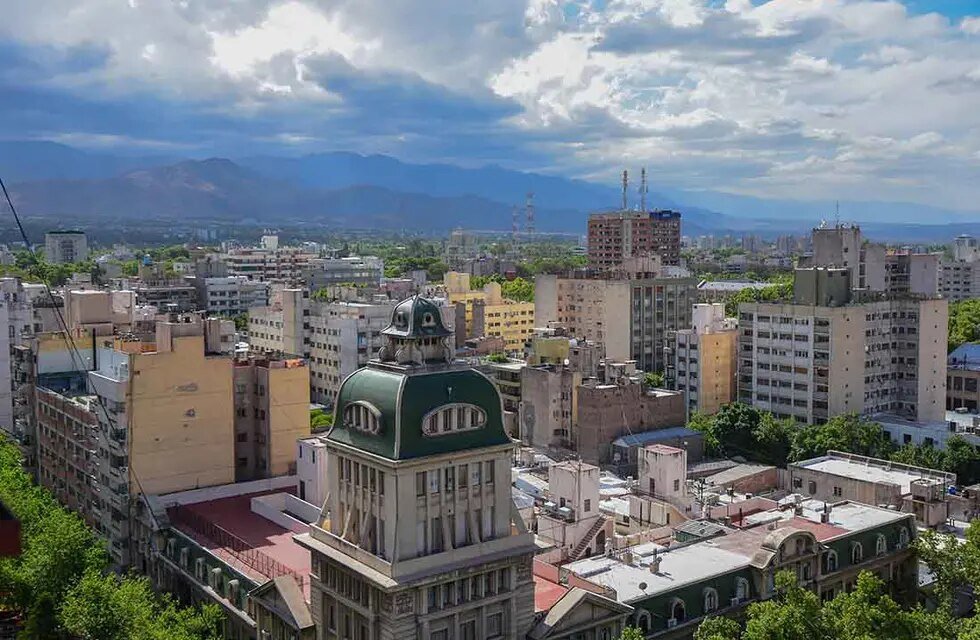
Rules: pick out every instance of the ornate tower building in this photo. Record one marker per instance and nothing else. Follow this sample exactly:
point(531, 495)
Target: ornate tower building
point(418, 536)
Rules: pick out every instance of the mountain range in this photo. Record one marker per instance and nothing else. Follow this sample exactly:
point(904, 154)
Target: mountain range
point(351, 190)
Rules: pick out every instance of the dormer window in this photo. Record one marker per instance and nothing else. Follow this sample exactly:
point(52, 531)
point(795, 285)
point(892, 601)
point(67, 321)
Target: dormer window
point(362, 416)
point(453, 418)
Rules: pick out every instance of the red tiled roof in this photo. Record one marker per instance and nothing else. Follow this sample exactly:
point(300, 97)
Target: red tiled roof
point(546, 593)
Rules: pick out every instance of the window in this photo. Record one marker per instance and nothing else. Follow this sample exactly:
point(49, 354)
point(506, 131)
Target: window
point(881, 545)
point(362, 416)
point(495, 624)
point(710, 600)
point(677, 610)
point(463, 471)
point(490, 473)
point(830, 562)
point(587, 506)
point(453, 418)
point(838, 492)
point(420, 483)
point(811, 487)
point(741, 589)
point(903, 538)
point(677, 485)
point(857, 552)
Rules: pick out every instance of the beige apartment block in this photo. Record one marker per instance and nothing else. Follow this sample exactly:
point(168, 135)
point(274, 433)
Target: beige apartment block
point(828, 354)
point(705, 359)
point(272, 411)
point(283, 326)
point(488, 313)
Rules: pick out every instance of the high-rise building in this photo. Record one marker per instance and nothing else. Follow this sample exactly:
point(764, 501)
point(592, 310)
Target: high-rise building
point(418, 536)
point(704, 359)
point(229, 295)
point(617, 236)
point(830, 351)
point(268, 263)
point(166, 422)
point(959, 277)
point(630, 316)
point(65, 246)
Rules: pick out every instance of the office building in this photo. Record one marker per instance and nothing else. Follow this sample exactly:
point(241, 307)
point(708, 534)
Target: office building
point(417, 537)
point(344, 336)
point(61, 247)
point(269, 263)
point(617, 236)
point(828, 352)
point(702, 361)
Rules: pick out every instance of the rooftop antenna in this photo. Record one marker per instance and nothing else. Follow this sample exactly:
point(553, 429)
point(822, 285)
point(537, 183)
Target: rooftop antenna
point(626, 182)
point(529, 209)
point(643, 189)
point(837, 213)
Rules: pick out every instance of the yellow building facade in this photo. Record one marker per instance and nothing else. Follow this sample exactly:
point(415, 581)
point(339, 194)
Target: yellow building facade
point(488, 313)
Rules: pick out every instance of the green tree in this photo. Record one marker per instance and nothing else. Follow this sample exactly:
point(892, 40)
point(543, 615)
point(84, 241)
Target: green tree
point(631, 633)
point(518, 289)
point(964, 322)
point(320, 419)
point(241, 321)
point(847, 433)
point(718, 628)
point(654, 379)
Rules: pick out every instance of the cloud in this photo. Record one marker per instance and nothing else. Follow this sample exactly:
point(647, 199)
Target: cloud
point(859, 99)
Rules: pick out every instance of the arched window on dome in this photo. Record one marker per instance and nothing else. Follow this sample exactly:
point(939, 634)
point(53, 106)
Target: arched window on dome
point(710, 600)
point(881, 545)
point(362, 416)
point(857, 553)
point(453, 418)
point(903, 538)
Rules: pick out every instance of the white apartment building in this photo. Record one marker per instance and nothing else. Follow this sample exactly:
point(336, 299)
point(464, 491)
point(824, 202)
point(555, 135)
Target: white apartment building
point(959, 278)
point(344, 336)
point(232, 295)
point(356, 270)
point(419, 537)
point(270, 263)
point(65, 246)
point(283, 326)
point(825, 353)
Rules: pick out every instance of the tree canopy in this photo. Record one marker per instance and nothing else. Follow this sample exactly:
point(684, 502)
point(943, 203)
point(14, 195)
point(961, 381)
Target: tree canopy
point(60, 582)
point(964, 322)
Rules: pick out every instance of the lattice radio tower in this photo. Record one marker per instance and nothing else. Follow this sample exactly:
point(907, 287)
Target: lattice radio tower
point(529, 214)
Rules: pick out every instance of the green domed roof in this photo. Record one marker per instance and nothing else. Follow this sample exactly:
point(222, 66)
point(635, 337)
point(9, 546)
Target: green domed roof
point(416, 317)
point(401, 399)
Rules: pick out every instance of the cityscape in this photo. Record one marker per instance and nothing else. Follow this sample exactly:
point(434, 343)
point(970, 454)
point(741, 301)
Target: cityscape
point(607, 321)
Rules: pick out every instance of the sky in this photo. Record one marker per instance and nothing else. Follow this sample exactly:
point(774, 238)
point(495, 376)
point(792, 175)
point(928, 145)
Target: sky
point(798, 99)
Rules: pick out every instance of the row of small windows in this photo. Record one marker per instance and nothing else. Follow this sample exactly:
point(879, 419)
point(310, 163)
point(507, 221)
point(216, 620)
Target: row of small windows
point(451, 478)
point(453, 418)
point(677, 607)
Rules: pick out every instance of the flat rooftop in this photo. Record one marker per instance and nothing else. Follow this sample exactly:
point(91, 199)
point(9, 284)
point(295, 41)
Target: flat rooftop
point(234, 515)
point(871, 470)
point(698, 561)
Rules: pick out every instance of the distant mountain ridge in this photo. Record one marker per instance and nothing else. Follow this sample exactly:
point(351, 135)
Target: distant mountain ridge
point(377, 191)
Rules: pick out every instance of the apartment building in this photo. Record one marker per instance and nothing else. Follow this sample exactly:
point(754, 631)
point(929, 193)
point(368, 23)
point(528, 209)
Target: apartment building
point(959, 277)
point(62, 247)
point(272, 411)
point(230, 295)
point(829, 352)
point(631, 315)
point(270, 263)
point(283, 326)
point(963, 378)
point(417, 537)
point(873, 266)
point(617, 236)
point(344, 336)
point(167, 423)
point(705, 359)
point(66, 425)
point(488, 313)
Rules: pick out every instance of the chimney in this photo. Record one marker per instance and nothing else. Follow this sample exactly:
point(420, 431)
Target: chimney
point(655, 564)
